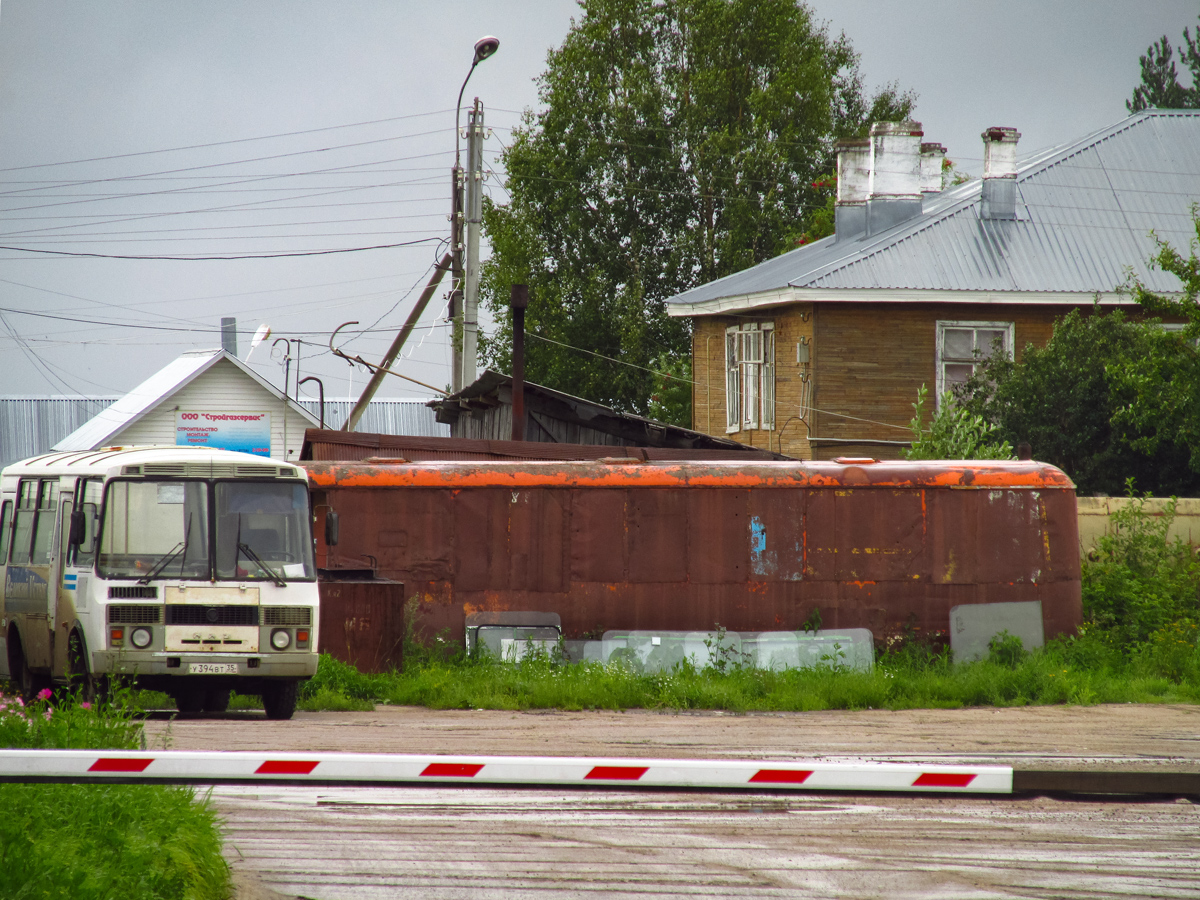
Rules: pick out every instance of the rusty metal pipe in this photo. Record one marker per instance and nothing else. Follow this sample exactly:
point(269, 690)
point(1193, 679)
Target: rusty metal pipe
point(520, 300)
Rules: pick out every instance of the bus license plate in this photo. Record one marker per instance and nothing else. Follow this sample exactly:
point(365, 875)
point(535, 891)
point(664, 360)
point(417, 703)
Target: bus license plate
point(212, 668)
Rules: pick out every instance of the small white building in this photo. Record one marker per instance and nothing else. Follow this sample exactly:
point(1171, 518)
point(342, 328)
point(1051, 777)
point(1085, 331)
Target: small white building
point(205, 398)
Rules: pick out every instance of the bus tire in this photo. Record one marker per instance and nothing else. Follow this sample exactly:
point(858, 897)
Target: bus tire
point(188, 699)
point(279, 699)
point(83, 682)
point(216, 700)
point(28, 682)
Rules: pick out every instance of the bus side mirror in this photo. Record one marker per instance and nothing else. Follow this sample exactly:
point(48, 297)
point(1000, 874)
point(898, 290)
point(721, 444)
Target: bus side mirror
point(331, 528)
point(76, 533)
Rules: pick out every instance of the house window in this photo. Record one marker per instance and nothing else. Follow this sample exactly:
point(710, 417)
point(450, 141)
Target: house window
point(964, 346)
point(750, 377)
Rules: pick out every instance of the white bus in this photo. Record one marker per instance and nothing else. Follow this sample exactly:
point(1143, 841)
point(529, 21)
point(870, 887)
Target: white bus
point(189, 569)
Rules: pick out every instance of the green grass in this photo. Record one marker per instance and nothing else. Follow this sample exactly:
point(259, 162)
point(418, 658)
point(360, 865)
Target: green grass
point(1083, 671)
point(81, 841)
point(1140, 644)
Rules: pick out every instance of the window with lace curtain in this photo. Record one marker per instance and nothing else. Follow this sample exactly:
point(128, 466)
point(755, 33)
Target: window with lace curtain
point(750, 377)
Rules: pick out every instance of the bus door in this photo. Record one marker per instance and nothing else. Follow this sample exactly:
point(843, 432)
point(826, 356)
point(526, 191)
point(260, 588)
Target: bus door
point(78, 551)
point(30, 588)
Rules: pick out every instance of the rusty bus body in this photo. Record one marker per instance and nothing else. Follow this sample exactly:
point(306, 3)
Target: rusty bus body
point(627, 544)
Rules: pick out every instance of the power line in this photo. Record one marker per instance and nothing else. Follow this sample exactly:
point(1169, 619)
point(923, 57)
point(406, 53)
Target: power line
point(212, 258)
point(226, 143)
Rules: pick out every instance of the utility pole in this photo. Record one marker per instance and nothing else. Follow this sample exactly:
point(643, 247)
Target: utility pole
point(456, 275)
point(474, 219)
point(377, 377)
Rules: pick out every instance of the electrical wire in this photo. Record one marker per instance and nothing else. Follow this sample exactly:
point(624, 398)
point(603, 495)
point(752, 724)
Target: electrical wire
point(222, 258)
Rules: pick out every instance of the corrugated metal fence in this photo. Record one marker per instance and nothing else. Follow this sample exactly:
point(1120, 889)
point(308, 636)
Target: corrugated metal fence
point(408, 417)
point(33, 425)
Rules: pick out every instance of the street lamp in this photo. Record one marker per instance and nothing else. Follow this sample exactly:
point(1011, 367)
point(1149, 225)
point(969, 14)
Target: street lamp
point(484, 47)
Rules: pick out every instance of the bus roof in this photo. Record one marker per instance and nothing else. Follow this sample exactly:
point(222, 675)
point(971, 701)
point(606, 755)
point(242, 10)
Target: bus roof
point(628, 473)
point(164, 461)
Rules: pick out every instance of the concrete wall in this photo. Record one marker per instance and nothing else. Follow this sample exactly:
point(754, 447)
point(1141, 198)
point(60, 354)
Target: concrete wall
point(1094, 519)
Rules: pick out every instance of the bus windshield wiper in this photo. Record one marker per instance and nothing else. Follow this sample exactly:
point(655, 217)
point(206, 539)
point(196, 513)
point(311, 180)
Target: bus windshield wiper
point(163, 562)
point(271, 573)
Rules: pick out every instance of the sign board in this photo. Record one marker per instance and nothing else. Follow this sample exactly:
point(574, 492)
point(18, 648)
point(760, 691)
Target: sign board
point(247, 432)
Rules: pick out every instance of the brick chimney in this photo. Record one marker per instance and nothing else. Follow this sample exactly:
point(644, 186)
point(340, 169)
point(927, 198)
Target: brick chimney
point(894, 193)
point(932, 157)
point(853, 181)
point(999, 191)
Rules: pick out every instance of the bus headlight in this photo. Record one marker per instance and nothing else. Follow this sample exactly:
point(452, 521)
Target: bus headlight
point(140, 638)
point(281, 638)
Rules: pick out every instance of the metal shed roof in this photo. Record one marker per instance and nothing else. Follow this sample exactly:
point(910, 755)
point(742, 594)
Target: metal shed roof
point(159, 386)
point(1084, 216)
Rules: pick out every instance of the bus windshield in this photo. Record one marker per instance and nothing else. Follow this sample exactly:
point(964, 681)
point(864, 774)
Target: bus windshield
point(161, 529)
point(152, 524)
point(263, 531)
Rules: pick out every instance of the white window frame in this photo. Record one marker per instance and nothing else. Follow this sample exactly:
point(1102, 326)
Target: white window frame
point(750, 377)
point(1009, 334)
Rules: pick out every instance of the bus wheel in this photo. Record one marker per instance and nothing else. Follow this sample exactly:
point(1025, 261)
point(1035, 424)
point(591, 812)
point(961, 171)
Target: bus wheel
point(27, 681)
point(82, 681)
point(279, 699)
point(189, 699)
point(216, 701)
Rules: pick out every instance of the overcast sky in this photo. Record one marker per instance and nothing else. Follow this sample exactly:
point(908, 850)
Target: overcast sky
point(329, 125)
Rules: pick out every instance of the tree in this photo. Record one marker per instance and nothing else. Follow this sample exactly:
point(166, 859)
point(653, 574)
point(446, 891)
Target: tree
point(680, 141)
point(1160, 85)
point(1162, 386)
point(1089, 402)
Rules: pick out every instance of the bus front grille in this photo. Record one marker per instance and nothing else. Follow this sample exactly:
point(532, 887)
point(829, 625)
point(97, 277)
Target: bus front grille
point(180, 614)
point(131, 614)
point(132, 592)
point(286, 615)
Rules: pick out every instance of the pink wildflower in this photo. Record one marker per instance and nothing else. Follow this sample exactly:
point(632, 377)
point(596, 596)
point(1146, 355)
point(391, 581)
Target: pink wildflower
point(20, 702)
point(44, 694)
point(86, 705)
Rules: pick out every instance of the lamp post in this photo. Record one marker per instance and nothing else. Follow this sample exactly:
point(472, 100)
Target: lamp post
point(484, 47)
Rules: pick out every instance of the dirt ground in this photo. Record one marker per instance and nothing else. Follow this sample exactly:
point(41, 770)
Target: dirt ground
point(356, 843)
point(1114, 736)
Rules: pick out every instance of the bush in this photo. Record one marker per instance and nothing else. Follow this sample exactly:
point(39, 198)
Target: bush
point(1140, 581)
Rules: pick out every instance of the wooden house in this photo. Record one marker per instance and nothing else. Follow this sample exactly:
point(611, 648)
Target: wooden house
point(819, 353)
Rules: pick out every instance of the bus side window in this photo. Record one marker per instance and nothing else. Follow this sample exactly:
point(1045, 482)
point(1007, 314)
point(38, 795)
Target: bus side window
point(89, 493)
point(64, 532)
point(5, 516)
point(43, 529)
point(23, 519)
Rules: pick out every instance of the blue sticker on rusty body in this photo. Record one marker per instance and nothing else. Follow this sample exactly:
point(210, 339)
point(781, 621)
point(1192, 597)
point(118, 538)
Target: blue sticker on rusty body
point(765, 563)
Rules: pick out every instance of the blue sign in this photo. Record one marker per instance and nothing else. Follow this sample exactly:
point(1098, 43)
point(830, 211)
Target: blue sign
point(246, 432)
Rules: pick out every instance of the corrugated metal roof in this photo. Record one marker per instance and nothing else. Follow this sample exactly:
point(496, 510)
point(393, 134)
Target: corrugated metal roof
point(143, 398)
point(384, 416)
point(1084, 216)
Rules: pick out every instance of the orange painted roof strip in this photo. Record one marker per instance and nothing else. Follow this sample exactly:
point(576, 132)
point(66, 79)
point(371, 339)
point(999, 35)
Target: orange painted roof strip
point(732, 474)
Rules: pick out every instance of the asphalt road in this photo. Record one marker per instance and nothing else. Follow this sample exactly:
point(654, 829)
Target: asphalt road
point(330, 843)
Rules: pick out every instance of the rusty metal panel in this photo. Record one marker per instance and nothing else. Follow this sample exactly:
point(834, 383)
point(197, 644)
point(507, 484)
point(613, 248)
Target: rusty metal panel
point(692, 545)
point(481, 551)
point(536, 525)
point(718, 543)
point(362, 623)
point(775, 535)
point(657, 529)
point(598, 546)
